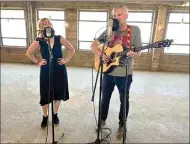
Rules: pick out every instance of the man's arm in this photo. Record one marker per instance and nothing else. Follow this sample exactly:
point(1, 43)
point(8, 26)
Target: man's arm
point(136, 43)
point(95, 48)
point(138, 40)
point(97, 42)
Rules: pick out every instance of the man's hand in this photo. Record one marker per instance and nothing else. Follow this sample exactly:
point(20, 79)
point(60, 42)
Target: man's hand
point(132, 54)
point(105, 58)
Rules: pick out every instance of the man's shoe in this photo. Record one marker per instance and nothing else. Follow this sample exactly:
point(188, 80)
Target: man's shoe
point(120, 131)
point(56, 120)
point(44, 122)
point(102, 123)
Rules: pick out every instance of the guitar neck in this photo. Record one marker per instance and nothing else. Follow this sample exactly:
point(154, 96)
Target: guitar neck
point(135, 49)
point(138, 49)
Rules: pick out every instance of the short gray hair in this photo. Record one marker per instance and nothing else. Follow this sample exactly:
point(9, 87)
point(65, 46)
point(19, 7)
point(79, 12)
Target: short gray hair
point(120, 6)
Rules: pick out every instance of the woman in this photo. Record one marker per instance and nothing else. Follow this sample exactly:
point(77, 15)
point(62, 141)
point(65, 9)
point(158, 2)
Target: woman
point(59, 73)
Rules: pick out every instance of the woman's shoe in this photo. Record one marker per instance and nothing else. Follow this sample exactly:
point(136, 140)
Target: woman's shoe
point(56, 120)
point(44, 122)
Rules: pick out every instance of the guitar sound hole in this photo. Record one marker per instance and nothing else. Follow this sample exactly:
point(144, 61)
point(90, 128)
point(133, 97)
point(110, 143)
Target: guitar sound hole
point(112, 59)
point(108, 63)
point(112, 56)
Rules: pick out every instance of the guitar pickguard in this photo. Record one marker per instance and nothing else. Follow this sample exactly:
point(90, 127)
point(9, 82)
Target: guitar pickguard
point(112, 59)
point(123, 61)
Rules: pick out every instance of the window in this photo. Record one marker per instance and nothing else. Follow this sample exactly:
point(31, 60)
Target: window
point(57, 18)
point(144, 20)
point(91, 25)
point(178, 30)
point(13, 28)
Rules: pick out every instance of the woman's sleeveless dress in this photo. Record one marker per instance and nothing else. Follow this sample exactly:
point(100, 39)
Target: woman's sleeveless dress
point(59, 79)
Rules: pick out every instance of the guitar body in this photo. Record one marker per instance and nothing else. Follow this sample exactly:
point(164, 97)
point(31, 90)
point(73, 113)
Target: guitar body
point(108, 67)
point(117, 54)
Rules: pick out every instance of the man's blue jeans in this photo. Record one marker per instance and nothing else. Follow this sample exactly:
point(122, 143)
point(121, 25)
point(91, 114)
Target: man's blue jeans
point(109, 83)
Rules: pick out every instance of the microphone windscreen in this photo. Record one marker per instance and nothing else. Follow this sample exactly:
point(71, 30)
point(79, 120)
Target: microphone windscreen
point(115, 26)
point(48, 32)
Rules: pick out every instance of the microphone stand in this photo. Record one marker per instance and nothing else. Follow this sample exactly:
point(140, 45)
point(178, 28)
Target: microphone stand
point(124, 109)
point(52, 90)
point(98, 141)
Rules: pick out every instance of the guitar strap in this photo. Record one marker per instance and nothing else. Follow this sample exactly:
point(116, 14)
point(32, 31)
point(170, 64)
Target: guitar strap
point(128, 36)
point(126, 39)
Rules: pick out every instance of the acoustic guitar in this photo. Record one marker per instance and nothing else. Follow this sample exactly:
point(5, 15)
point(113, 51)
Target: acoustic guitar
point(118, 53)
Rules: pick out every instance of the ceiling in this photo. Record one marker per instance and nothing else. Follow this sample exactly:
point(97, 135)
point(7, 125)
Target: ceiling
point(173, 2)
point(168, 2)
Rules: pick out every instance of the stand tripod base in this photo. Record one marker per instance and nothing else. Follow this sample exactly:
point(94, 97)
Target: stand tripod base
point(56, 142)
point(119, 136)
point(97, 141)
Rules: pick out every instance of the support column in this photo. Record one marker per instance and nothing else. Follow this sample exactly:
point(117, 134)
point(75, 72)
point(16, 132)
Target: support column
point(159, 35)
point(29, 22)
point(71, 30)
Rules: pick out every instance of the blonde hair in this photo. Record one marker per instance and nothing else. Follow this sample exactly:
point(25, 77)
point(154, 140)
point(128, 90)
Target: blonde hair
point(40, 24)
point(120, 6)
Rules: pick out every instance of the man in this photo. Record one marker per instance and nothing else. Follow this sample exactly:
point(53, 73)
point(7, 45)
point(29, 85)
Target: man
point(127, 36)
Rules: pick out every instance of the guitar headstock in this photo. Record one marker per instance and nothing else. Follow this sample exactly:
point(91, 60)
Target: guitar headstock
point(162, 43)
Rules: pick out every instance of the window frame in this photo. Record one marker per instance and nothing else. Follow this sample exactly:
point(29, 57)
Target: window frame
point(78, 19)
point(25, 18)
point(50, 9)
point(167, 22)
point(152, 25)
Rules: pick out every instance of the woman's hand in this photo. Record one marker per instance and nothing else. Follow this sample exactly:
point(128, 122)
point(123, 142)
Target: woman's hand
point(42, 62)
point(61, 61)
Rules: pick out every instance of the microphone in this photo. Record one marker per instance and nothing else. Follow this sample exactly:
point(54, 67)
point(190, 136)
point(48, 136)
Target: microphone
point(48, 32)
point(115, 25)
point(112, 26)
point(109, 29)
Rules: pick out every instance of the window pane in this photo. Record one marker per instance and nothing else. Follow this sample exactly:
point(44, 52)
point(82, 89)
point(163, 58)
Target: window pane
point(177, 17)
point(59, 27)
point(96, 16)
point(12, 13)
point(13, 28)
point(177, 49)
point(186, 18)
point(88, 30)
point(14, 42)
point(140, 17)
point(179, 33)
point(51, 14)
point(85, 45)
point(145, 29)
